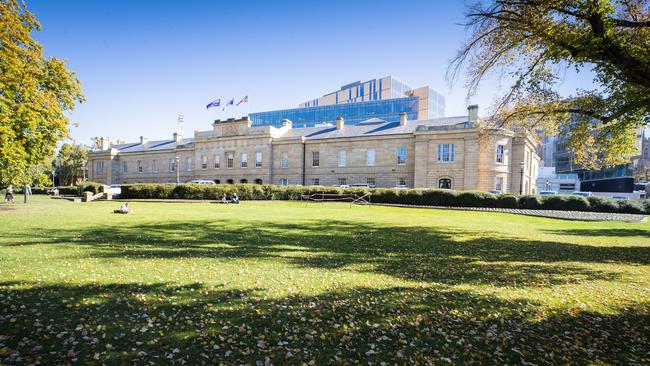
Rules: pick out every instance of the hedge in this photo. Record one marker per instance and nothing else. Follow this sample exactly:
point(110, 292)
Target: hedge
point(427, 197)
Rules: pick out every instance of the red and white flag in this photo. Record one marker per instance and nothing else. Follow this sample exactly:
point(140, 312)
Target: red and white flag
point(243, 100)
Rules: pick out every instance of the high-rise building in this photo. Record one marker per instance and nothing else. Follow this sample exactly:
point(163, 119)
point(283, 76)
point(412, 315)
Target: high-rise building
point(384, 98)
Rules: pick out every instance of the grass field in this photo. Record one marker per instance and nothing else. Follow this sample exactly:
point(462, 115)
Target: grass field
point(287, 283)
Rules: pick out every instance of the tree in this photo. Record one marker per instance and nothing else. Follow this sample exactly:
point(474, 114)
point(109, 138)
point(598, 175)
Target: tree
point(71, 164)
point(35, 95)
point(529, 43)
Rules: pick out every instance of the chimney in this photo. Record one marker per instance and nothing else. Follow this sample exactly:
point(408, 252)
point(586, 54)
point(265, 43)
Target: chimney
point(402, 118)
point(143, 140)
point(472, 113)
point(340, 123)
point(103, 143)
point(287, 123)
point(177, 137)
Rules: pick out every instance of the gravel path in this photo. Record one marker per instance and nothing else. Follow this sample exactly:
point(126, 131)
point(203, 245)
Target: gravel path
point(554, 214)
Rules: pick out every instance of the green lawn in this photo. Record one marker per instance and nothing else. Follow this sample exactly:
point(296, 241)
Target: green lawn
point(288, 282)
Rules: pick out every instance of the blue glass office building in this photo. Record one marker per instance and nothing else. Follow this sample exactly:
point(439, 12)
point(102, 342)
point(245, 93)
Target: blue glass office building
point(353, 113)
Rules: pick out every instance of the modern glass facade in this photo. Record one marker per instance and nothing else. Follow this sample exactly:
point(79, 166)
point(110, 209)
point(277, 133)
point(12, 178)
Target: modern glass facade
point(353, 113)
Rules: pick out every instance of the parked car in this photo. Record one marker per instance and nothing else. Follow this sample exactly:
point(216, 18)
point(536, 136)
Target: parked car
point(546, 193)
point(201, 181)
point(496, 191)
point(362, 185)
point(583, 194)
point(115, 189)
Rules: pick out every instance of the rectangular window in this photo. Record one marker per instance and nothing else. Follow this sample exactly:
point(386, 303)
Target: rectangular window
point(284, 182)
point(230, 160)
point(315, 159)
point(401, 182)
point(315, 182)
point(244, 160)
point(188, 163)
point(370, 157)
point(204, 162)
point(499, 184)
point(258, 159)
point(172, 165)
point(125, 167)
point(217, 162)
point(343, 158)
point(371, 182)
point(154, 166)
point(139, 166)
point(500, 153)
point(342, 181)
point(284, 160)
point(401, 155)
point(100, 167)
point(445, 153)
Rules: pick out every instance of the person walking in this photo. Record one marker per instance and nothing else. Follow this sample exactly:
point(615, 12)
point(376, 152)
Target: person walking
point(9, 195)
point(27, 191)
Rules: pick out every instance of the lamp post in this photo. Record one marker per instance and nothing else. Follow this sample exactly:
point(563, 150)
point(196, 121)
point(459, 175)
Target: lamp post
point(178, 170)
point(521, 180)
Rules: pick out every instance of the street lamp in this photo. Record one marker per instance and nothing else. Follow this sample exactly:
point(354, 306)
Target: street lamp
point(178, 170)
point(521, 180)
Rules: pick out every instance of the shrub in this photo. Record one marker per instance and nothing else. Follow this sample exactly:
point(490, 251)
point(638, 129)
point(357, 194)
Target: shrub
point(475, 199)
point(439, 197)
point(93, 187)
point(565, 202)
point(68, 190)
point(507, 201)
point(631, 207)
point(530, 202)
point(603, 204)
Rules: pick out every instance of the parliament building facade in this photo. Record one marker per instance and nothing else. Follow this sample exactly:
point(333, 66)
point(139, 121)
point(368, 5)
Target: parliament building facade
point(448, 153)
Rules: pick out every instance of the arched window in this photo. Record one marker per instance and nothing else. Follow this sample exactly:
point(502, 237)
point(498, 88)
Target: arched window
point(243, 181)
point(217, 181)
point(444, 183)
point(258, 181)
point(230, 181)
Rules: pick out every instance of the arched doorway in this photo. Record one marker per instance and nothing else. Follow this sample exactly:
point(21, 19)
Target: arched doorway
point(444, 183)
point(258, 181)
point(230, 181)
point(217, 181)
point(243, 181)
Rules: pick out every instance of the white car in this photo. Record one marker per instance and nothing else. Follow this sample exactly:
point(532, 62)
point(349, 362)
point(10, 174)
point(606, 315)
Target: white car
point(583, 194)
point(201, 181)
point(546, 193)
point(115, 189)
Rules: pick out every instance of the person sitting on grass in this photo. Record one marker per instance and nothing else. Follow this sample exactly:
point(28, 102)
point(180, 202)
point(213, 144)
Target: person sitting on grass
point(124, 209)
point(235, 198)
point(224, 199)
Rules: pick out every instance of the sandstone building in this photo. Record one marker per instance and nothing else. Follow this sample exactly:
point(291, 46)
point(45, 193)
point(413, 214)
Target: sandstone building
point(451, 152)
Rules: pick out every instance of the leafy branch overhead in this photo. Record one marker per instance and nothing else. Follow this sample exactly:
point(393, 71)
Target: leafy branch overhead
point(35, 96)
point(530, 43)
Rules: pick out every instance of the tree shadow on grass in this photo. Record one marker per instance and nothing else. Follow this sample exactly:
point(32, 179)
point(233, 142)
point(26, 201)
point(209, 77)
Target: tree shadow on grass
point(604, 232)
point(414, 253)
point(193, 324)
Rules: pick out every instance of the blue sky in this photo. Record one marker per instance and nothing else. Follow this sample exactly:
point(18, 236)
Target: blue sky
point(141, 63)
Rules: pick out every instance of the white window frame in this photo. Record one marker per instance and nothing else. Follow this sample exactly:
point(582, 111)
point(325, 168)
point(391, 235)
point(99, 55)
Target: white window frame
point(230, 160)
point(284, 182)
point(400, 182)
point(401, 160)
point(315, 159)
point(501, 154)
point(258, 159)
point(342, 160)
point(446, 153)
point(315, 181)
point(499, 183)
point(188, 163)
point(371, 157)
point(139, 166)
point(204, 162)
point(125, 167)
point(100, 167)
point(243, 160)
point(154, 166)
point(172, 165)
point(342, 181)
point(217, 162)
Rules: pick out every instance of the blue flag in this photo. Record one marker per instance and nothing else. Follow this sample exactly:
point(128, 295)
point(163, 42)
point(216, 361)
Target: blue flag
point(214, 103)
point(231, 102)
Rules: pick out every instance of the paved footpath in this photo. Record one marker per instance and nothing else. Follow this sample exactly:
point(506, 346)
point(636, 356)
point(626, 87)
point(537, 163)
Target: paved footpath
point(554, 214)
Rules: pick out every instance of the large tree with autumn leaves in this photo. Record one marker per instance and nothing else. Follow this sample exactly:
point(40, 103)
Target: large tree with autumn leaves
point(36, 94)
point(528, 44)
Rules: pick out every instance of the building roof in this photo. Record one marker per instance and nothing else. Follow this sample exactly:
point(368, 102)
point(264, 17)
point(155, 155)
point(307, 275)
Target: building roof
point(152, 145)
point(371, 127)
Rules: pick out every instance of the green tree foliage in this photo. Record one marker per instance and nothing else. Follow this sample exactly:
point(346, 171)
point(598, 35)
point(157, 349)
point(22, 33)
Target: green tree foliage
point(35, 95)
point(71, 164)
point(530, 43)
